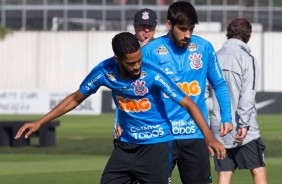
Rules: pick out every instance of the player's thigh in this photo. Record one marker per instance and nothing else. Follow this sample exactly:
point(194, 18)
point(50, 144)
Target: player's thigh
point(176, 149)
point(153, 163)
point(194, 162)
point(117, 169)
point(251, 155)
point(118, 177)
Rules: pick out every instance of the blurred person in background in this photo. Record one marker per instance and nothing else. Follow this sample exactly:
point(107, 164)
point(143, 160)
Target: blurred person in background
point(145, 22)
point(245, 149)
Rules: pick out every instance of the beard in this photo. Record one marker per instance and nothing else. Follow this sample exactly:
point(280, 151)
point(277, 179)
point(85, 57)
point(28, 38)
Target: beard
point(130, 74)
point(182, 43)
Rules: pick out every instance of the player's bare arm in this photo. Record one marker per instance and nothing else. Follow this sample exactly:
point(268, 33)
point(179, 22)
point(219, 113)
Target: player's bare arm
point(196, 114)
point(69, 103)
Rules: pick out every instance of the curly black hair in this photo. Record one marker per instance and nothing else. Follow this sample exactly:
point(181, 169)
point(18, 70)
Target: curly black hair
point(124, 43)
point(240, 29)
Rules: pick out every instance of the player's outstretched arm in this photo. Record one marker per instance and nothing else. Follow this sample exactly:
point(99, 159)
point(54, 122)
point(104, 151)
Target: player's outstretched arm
point(69, 103)
point(194, 111)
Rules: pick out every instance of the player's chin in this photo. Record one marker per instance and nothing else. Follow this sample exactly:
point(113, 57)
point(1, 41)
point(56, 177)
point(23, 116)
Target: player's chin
point(136, 75)
point(183, 44)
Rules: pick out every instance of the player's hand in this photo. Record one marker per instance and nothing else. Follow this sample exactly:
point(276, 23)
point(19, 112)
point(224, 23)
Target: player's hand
point(225, 128)
point(144, 42)
point(118, 131)
point(29, 128)
point(215, 146)
point(241, 134)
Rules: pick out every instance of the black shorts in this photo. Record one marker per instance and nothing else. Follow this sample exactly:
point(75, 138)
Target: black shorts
point(193, 161)
point(248, 156)
point(129, 163)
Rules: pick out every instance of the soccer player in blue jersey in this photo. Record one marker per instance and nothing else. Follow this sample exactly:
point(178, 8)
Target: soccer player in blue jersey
point(145, 22)
point(143, 150)
point(189, 61)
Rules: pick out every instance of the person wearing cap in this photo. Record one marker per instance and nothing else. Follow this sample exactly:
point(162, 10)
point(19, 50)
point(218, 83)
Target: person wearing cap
point(145, 22)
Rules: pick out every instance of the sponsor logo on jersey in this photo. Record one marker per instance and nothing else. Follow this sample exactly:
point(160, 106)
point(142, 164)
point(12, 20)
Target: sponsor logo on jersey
point(183, 127)
point(216, 65)
point(192, 89)
point(158, 78)
point(124, 89)
point(133, 105)
point(162, 50)
point(147, 132)
point(111, 76)
point(196, 62)
point(192, 47)
point(139, 87)
point(143, 75)
point(168, 71)
point(91, 83)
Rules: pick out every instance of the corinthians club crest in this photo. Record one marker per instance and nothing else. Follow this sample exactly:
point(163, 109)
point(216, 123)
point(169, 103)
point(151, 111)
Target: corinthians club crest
point(162, 50)
point(196, 62)
point(139, 87)
point(145, 15)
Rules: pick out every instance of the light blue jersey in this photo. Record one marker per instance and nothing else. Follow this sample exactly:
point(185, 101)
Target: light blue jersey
point(189, 68)
point(140, 109)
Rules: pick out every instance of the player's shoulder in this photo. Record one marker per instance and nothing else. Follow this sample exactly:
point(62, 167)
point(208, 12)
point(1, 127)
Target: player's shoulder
point(199, 40)
point(107, 64)
point(155, 43)
point(149, 65)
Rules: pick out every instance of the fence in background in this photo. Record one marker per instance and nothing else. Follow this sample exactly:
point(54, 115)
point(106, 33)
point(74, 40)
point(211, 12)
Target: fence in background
point(117, 14)
point(61, 60)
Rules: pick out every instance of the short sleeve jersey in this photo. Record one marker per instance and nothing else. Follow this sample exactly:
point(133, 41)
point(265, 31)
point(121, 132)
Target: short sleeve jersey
point(189, 68)
point(140, 110)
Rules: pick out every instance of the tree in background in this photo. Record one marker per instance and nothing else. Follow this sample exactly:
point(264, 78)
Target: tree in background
point(4, 31)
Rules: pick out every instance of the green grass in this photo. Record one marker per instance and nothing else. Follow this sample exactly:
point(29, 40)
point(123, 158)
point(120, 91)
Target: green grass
point(84, 144)
point(84, 169)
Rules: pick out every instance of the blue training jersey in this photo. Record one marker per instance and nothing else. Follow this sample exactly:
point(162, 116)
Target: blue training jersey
point(189, 68)
point(140, 109)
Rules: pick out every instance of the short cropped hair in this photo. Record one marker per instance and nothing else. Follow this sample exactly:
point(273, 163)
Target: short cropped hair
point(124, 43)
point(240, 29)
point(182, 12)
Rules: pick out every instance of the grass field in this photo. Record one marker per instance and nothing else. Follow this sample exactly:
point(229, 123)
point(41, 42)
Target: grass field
point(84, 144)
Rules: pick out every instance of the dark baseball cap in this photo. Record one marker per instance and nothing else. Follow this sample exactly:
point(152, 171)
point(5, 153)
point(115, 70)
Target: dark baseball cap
point(145, 16)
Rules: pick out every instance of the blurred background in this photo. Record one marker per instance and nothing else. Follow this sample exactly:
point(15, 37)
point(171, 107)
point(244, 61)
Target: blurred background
point(69, 15)
point(51, 45)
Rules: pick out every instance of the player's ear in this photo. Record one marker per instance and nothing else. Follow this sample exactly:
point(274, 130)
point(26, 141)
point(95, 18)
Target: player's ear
point(116, 59)
point(168, 24)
